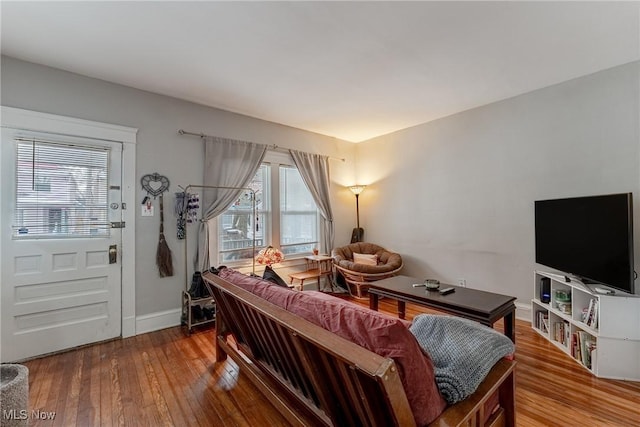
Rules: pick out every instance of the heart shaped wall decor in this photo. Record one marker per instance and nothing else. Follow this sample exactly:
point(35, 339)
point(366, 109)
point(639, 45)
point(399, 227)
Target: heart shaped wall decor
point(154, 184)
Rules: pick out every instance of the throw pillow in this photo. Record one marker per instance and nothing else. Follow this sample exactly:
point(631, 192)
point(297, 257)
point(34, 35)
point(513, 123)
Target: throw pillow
point(270, 275)
point(365, 259)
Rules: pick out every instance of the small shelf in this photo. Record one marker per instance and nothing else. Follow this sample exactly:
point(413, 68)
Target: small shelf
point(197, 311)
point(601, 333)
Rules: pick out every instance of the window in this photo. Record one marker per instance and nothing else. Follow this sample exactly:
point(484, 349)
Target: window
point(61, 191)
point(287, 216)
point(236, 227)
point(298, 214)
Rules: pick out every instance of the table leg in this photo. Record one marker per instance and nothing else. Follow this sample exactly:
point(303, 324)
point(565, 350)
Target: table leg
point(401, 309)
point(330, 278)
point(509, 326)
point(373, 301)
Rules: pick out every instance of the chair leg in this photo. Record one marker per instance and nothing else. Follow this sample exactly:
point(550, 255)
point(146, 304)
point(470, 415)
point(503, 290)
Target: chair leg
point(361, 290)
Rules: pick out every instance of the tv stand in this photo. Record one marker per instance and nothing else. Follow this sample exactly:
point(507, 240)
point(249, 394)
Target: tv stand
point(600, 331)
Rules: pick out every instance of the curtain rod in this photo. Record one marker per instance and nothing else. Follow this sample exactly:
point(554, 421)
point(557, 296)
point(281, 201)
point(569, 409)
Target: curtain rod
point(270, 146)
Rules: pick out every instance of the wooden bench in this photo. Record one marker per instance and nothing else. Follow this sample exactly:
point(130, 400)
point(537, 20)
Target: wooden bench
point(316, 378)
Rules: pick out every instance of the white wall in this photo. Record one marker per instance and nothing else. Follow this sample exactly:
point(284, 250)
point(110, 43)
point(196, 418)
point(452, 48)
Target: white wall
point(455, 196)
point(160, 149)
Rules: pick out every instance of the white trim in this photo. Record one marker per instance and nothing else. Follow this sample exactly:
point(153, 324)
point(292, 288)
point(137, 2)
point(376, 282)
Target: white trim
point(129, 240)
point(523, 311)
point(43, 122)
point(159, 320)
point(128, 326)
point(51, 123)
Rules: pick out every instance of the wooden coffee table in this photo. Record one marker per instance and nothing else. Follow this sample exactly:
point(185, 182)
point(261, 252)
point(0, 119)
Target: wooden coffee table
point(481, 306)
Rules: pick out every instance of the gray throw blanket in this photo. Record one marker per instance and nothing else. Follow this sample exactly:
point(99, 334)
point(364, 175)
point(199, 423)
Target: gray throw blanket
point(463, 352)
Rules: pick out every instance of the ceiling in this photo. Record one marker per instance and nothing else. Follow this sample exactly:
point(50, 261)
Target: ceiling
point(350, 70)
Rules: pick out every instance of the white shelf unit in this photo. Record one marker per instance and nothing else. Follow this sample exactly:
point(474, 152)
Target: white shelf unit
point(615, 333)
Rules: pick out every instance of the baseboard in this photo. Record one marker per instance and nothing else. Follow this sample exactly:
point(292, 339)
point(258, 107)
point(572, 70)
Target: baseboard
point(156, 321)
point(523, 311)
point(170, 318)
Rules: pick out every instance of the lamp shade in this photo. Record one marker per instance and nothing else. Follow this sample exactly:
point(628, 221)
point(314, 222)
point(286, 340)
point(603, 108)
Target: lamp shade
point(269, 255)
point(357, 189)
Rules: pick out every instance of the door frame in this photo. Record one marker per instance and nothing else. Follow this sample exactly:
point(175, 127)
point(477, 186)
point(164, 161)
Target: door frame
point(18, 118)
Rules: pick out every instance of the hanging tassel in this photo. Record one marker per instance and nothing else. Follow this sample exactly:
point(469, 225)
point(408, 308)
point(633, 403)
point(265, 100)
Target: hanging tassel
point(163, 254)
point(179, 211)
point(193, 205)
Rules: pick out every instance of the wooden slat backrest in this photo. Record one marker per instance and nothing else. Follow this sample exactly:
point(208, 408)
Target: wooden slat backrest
point(338, 381)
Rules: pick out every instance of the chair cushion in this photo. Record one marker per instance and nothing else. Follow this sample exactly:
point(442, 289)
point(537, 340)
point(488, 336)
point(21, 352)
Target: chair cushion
point(387, 261)
point(384, 335)
point(346, 252)
point(246, 282)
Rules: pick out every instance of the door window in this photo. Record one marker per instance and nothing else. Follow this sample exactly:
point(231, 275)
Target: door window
point(61, 191)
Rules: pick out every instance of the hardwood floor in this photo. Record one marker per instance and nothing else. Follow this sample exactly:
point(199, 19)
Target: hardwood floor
point(167, 378)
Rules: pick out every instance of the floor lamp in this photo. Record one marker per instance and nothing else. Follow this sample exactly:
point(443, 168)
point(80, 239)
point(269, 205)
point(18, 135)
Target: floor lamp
point(358, 233)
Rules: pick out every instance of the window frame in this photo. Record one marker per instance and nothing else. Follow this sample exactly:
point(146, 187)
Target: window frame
point(271, 211)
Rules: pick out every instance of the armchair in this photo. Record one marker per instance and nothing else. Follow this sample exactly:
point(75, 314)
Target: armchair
point(358, 275)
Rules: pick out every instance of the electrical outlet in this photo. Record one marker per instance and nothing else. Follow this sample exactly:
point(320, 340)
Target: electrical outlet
point(462, 283)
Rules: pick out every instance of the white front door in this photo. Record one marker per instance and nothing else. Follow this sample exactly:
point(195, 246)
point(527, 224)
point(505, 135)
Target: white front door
point(61, 267)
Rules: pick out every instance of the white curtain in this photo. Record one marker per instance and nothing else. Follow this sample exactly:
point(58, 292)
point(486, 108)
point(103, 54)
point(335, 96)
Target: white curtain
point(227, 163)
point(314, 170)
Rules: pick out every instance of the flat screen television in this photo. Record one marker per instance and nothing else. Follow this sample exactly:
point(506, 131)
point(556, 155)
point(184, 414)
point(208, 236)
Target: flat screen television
point(588, 237)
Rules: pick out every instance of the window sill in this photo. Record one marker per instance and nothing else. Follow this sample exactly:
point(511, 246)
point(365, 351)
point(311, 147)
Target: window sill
point(287, 263)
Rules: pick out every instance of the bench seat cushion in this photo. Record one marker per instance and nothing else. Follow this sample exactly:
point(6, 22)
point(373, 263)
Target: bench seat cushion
point(382, 334)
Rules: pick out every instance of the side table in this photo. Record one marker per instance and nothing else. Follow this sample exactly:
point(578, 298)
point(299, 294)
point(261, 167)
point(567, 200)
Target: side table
point(318, 266)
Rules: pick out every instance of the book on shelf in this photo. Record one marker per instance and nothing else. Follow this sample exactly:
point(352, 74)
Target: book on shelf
point(561, 332)
point(583, 348)
point(590, 315)
point(586, 312)
point(542, 321)
point(592, 352)
point(575, 347)
point(594, 320)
